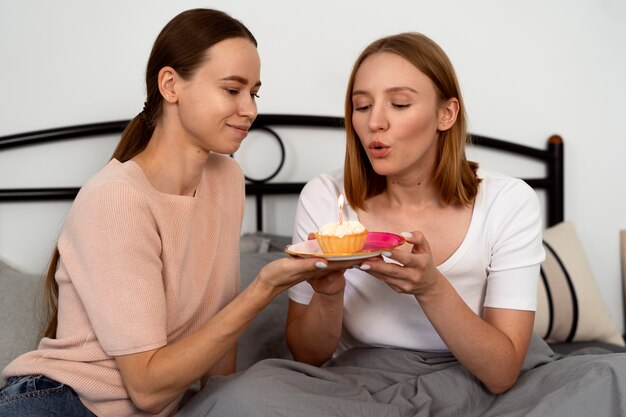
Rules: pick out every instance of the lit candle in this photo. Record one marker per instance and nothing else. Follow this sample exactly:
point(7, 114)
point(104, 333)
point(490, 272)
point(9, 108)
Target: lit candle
point(340, 202)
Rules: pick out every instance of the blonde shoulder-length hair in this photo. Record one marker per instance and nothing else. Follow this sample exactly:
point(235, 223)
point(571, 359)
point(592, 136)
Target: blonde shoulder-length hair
point(454, 175)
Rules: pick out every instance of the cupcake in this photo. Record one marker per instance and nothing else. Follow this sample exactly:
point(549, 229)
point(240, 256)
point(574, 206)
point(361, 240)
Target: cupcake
point(341, 238)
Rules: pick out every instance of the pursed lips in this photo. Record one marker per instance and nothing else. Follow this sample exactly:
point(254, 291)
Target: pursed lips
point(378, 149)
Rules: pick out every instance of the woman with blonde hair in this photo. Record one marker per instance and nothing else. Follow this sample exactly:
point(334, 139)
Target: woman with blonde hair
point(467, 279)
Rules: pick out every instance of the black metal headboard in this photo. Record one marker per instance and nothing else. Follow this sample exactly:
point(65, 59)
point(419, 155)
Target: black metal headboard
point(551, 156)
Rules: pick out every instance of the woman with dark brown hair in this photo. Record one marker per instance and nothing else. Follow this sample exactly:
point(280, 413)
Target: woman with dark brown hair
point(144, 283)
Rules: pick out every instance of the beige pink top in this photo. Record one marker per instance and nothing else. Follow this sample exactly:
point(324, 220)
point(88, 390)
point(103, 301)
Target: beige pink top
point(139, 269)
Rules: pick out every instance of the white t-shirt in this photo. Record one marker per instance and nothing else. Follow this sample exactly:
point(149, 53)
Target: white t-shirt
point(496, 265)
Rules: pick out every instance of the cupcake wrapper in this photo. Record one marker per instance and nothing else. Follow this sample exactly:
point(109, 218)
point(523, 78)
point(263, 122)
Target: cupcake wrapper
point(341, 245)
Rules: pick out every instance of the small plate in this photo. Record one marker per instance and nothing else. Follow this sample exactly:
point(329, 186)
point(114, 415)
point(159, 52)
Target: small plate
point(375, 244)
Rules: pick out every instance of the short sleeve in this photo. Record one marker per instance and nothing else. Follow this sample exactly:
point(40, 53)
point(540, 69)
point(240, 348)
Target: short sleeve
point(515, 231)
point(111, 250)
point(317, 205)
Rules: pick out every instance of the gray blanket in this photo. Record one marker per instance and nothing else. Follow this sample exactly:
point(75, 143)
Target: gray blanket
point(391, 382)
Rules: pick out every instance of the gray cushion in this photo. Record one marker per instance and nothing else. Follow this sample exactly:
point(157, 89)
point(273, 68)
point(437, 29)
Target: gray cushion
point(264, 242)
point(253, 243)
point(265, 338)
point(21, 313)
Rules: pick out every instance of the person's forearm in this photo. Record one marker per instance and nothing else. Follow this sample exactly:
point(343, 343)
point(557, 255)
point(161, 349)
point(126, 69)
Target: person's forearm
point(225, 366)
point(173, 368)
point(313, 336)
point(488, 353)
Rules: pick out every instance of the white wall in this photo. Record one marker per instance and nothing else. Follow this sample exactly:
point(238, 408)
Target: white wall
point(528, 69)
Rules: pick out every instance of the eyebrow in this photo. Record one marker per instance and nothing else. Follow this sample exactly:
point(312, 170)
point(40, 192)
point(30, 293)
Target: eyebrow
point(389, 90)
point(240, 80)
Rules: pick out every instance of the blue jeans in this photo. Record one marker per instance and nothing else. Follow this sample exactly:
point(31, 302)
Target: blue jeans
point(39, 396)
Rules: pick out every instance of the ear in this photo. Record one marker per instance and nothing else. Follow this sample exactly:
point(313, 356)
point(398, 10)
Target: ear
point(448, 113)
point(167, 84)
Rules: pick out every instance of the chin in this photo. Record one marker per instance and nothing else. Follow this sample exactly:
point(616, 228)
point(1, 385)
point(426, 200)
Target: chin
point(235, 148)
point(384, 170)
point(227, 150)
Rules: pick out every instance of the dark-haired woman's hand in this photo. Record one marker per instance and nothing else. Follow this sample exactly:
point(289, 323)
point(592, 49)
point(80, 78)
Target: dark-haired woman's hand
point(330, 284)
point(279, 275)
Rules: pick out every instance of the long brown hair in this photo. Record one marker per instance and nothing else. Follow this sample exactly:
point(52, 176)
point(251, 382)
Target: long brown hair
point(454, 176)
point(182, 45)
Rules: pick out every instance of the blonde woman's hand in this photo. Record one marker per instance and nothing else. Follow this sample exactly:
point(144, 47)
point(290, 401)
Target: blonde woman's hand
point(333, 283)
point(416, 275)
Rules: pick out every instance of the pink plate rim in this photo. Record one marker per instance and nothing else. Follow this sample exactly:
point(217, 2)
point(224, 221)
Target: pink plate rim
point(375, 243)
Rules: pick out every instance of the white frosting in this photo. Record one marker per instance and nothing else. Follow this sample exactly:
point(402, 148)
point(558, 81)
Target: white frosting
point(350, 227)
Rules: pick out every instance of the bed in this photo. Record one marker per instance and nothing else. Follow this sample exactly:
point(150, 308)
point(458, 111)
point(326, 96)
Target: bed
point(571, 316)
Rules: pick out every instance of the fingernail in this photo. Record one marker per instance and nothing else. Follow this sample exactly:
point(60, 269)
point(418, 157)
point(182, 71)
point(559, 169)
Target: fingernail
point(320, 265)
point(406, 235)
point(365, 267)
point(356, 266)
point(386, 253)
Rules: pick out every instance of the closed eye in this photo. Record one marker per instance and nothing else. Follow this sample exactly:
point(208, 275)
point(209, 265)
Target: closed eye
point(400, 106)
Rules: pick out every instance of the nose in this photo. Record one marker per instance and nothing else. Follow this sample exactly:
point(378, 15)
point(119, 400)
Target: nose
point(378, 119)
point(248, 108)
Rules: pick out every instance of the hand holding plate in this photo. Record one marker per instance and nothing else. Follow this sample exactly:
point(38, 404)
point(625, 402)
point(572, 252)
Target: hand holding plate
point(417, 272)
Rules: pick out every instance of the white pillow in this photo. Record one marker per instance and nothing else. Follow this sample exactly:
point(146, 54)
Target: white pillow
point(569, 305)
